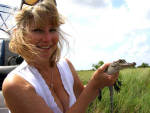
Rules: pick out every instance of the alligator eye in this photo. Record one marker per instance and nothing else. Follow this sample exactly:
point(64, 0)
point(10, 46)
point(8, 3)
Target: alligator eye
point(122, 61)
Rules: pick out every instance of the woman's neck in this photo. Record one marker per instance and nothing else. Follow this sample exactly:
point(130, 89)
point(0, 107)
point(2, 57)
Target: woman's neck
point(42, 65)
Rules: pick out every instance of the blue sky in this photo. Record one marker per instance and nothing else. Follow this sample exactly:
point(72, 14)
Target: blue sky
point(105, 30)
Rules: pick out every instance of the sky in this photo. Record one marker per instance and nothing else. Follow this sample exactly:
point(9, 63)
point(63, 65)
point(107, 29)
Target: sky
point(104, 30)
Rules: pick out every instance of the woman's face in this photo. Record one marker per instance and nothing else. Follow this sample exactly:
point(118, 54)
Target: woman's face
point(45, 40)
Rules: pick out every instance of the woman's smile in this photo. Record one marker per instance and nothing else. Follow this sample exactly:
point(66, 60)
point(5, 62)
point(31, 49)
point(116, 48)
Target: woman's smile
point(44, 47)
point(45, 51)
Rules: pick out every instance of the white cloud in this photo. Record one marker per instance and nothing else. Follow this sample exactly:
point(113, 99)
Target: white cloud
point(135, 49)
point(93, 3)
point(109, 33)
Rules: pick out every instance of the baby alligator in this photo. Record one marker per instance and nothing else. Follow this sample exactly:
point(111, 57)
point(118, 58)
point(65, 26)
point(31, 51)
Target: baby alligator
point(113, 68)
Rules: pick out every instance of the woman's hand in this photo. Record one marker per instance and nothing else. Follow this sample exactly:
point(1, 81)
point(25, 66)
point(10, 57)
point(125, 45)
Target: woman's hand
point(101, 79)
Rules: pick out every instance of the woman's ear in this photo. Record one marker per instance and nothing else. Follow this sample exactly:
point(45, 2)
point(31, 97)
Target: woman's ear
point(15, 29)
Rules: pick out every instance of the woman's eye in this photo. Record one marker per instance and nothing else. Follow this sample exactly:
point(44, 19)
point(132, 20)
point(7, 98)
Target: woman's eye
point(53, 30)
point(37, 30)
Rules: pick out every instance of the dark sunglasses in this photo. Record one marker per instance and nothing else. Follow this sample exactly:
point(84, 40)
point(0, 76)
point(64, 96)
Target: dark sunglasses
point(32, 2)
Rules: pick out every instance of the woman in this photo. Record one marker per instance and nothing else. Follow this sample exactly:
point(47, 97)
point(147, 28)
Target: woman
point(44, 83)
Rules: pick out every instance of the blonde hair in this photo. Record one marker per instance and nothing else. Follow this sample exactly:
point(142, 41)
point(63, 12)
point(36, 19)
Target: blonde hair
point(42, 14)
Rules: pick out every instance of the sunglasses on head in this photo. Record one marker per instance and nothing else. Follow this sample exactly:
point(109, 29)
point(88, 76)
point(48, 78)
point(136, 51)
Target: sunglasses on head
point(32, 2)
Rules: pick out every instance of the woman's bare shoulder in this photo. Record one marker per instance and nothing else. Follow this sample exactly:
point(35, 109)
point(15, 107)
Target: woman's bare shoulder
point(15, 85)
point(20, 94)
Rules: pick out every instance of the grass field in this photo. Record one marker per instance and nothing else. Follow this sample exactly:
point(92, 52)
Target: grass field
point(134, 96)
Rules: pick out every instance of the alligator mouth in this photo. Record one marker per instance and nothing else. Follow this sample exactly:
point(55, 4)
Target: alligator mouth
point(126, 65)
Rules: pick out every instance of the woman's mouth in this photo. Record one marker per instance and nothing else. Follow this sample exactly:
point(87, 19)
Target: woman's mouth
point(44, 47)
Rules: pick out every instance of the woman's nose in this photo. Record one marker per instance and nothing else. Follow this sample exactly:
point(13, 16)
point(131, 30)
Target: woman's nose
point(47, 37)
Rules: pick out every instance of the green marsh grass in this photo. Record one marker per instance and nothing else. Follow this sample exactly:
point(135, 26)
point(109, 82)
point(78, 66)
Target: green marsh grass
point(134, 96)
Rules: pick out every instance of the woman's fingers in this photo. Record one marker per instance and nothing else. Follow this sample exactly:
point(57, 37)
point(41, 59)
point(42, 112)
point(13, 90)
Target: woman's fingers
point(103, 79)
point(104, 67)
point(114, 77)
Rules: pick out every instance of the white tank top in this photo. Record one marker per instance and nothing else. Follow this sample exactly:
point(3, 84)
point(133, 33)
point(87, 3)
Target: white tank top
point(31, 74)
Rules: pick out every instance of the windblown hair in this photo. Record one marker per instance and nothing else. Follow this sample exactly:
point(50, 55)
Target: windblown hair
point(40, 15)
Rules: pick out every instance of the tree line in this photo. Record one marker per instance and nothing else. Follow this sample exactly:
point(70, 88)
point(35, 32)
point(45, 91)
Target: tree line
point(100, 63)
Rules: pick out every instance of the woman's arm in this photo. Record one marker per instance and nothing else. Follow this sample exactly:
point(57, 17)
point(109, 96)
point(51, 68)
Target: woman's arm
point(86, 95)
point(78, 86)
